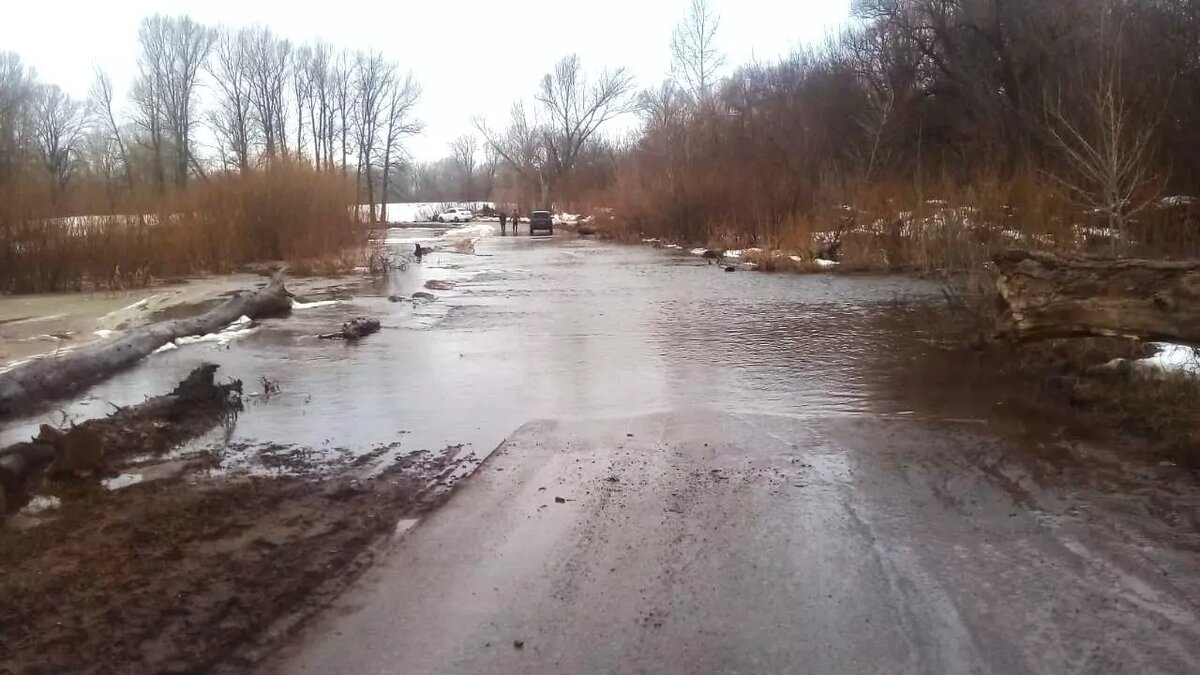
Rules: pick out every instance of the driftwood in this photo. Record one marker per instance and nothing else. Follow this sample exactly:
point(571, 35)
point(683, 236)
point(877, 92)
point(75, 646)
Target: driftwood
point(33, 382)
point(155, 425)
point(353, 329)
point(1057, 297)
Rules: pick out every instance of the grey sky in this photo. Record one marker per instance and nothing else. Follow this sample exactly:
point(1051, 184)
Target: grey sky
point(470, 56)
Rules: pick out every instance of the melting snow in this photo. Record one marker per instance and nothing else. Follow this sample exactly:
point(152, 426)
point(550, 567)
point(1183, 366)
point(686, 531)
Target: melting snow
point(1173, 358)
point(313, 305)
point(122, 481)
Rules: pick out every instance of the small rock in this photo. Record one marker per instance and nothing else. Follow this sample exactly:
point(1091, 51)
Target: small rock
point(730, 268)
point(560, 500)
point(422, 295)
point(518, 644)
point(396, 298)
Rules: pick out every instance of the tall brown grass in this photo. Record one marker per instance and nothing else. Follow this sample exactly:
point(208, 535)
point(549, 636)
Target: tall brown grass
point(287, 211)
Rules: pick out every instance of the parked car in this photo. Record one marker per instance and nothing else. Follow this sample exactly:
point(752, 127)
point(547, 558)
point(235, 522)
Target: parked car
point(541, 222)
point(455, 216)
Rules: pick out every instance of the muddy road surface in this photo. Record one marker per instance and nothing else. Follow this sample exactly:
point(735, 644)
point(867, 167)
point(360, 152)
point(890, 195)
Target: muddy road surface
point(706, 472)
point(694, 471)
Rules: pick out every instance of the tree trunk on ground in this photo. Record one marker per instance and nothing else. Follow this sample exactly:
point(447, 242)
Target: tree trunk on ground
point(53, 376)
point(1058, 297)
point(155, 425)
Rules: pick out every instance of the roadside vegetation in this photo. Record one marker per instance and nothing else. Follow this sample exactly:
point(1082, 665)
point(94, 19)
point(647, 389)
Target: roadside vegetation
point(111, 192)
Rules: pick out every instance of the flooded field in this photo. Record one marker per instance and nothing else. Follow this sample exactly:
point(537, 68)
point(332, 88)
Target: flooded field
point(546, 328)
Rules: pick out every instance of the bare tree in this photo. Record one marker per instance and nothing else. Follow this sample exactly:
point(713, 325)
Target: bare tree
point(662, 107)
point(189, 44)
point(16, 93)
point(521, 146)
point(372, 81)
point(302, 92)
point(402, 99)
point(1107, 150)
point(465, 151)
point(695, 59)
point(269, 60)
point(101, 108)
point(57, 132)
point(342, 81)
point(576, 109)
point(231, 118)
point(148, 95)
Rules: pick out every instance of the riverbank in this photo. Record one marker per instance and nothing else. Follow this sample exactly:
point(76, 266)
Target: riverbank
point(195, 566)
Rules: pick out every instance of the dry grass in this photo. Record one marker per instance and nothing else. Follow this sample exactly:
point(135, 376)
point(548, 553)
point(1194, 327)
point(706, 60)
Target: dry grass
point(286, 212)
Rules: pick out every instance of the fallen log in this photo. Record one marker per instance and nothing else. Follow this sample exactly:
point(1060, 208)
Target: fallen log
point(155, 425)
point(1051, 296)
point(53, 376)
point(353, 329)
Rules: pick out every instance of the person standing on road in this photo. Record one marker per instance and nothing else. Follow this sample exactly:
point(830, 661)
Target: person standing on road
point(516, 218)
point(503, 220)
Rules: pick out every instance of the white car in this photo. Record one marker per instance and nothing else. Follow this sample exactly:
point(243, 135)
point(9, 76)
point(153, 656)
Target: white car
point(455, 216)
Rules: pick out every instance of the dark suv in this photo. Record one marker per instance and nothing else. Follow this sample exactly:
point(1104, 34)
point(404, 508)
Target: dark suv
point(541, 222)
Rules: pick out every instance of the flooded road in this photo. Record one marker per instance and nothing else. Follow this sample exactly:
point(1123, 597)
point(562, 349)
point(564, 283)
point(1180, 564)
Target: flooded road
point(705, 472)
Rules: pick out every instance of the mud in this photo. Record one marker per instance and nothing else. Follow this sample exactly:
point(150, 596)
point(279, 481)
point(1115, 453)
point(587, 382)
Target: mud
point(197, 572)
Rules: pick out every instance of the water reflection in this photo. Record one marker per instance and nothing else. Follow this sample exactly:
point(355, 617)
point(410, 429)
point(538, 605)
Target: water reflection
point(547, 329)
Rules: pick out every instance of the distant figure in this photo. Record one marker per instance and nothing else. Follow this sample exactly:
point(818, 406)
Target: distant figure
point(503, 221)
point(419, 251)
point(516, 217)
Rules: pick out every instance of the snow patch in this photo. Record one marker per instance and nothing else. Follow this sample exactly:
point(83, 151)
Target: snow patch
point(1173, 358)
point(238, 329)
point(41, 503)
point(122, 481)
point(698, 251)
point(104, 333)
point(296, 304)
point(822, 262)
point(470, 232)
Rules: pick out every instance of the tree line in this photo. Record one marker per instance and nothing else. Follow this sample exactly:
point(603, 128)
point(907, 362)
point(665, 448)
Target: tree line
point(260, 98)
point(1038, 106)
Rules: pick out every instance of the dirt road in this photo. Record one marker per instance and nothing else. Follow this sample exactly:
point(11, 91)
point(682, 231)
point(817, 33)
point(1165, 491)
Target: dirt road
point(713, 542)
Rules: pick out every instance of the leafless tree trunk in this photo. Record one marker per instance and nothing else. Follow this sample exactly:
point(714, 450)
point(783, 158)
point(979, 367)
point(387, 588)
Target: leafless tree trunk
point(16, 94)
point(695, 59)
point(373, 76)
point(465, 152)
point(189, 44)
point(270, 60)
point(57, 132)
point(102, 112)
point(1106, 150)
point(343, 82)
point(148, 95)
point(232, 118)
point(400, 124)
point(575, 110)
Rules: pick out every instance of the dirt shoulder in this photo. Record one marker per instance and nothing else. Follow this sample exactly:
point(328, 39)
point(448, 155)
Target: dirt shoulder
point(197, 572)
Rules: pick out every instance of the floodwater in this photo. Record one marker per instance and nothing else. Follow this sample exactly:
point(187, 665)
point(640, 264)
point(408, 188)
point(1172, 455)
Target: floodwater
point(793, 467)
point(548, 329)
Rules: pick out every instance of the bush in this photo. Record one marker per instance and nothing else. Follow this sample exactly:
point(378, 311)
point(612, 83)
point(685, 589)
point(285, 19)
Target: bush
point(288, 211)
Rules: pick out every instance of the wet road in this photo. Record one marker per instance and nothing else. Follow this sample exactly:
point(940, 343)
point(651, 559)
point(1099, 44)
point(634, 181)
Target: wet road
point(757, 475)
point(760, 474)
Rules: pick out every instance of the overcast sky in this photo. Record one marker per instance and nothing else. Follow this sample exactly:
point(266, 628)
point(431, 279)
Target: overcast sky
point(470, 56)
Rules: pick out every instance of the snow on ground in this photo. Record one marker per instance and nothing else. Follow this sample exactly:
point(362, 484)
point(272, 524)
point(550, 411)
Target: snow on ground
point(822, 262)
point(238, 329)
point(1173, 358)
point(417, 212)
point(471, 231)
point(122, 481)
point(296, 304)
